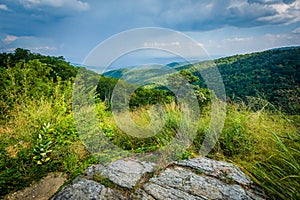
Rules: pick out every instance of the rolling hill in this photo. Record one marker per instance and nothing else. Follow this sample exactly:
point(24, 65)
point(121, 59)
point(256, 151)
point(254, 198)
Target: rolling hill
point(271, 75)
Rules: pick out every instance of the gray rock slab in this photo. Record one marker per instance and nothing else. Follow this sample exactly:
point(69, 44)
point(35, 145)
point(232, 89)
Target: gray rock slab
point(125, 173)
point(201, 186)
point(80, 188)
point(219, 169)
point(84, 189)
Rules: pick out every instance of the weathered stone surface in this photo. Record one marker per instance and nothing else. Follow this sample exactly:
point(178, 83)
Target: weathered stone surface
point(164, 192)
point(125, 173)
point(112, 194)
point(141, 195)
point(219, 169)
point(199, 178)
point(94, 170)
point(84, 189)
point(81, 188)
point(185, 181)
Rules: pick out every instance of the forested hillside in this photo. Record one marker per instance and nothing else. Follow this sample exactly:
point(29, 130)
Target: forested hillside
point(272, 75)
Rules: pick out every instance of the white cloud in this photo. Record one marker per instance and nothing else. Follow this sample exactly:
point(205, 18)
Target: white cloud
point(3, 7)
point(37, 49)
point(285, 13)
point(276, 38)
point(12, 38)
point(11, 49)
point(231, 41)
point(238, 39)
point(297, 30)
point(160, 44)
point(11, 42)
point(9, 39)
point(71, 4)
point(205, 15)
point(43, 48)
point(200, 44)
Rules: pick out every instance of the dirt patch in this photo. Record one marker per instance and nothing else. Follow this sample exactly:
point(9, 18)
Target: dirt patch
point(41, 190)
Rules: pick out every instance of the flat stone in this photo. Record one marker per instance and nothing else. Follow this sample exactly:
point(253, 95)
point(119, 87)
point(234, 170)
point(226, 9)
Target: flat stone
point(219, 169)
point(81, 188)
point(125, 173)
point(185, 181)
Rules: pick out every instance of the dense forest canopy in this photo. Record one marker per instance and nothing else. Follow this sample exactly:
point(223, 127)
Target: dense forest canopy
point(273, 75)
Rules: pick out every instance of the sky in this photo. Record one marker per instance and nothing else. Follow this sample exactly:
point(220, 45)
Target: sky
point(72, 28)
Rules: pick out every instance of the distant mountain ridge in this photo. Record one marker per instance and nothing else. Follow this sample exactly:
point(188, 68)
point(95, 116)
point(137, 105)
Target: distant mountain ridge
point(286, 48)
point(273, 75)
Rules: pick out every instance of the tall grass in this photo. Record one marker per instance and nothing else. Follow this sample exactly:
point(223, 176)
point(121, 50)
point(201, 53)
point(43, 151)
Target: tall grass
point(266, 144)
point(262, 142)
point(279, 174)
point(248, 140)
point(39, 137)
point(141, 117)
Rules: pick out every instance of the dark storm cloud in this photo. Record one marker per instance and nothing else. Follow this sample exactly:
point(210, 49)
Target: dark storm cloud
point(30, 16)
point(203, 15)
point(77, 25)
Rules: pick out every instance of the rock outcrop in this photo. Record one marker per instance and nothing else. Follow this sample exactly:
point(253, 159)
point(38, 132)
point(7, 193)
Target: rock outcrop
point(199, 178)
